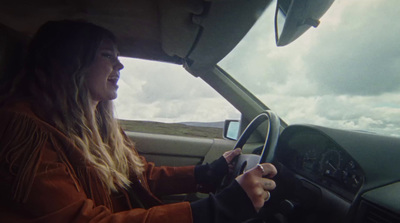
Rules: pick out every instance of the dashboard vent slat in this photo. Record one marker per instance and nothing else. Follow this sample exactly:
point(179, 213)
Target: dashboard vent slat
point(374, 214)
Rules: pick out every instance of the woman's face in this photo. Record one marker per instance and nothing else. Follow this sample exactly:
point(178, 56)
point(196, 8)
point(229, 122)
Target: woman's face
point(103, 73)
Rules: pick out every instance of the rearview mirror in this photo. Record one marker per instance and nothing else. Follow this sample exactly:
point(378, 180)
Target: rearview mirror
point(295, 17)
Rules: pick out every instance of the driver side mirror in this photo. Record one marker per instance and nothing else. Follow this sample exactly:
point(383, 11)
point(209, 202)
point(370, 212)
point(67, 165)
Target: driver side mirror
point(295, 17)
point(231, 129)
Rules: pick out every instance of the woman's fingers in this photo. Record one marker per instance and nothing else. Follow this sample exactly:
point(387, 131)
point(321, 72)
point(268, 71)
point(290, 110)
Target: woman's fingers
point(231, 154)
point(256, 186)
point(265, 169)
point(267, 184)
point(267, 197)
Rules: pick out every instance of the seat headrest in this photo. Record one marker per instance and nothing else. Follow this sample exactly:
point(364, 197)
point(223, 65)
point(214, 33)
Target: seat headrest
point(13, 46)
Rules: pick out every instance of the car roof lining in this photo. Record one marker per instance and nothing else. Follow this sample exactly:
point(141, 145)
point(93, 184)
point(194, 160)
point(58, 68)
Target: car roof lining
point(197, 31)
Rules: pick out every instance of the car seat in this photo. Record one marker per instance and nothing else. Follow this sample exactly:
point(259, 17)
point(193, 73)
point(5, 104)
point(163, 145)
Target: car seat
point(13, 46)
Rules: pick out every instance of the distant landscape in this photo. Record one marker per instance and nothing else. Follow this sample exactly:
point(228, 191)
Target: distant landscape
point(195, 129)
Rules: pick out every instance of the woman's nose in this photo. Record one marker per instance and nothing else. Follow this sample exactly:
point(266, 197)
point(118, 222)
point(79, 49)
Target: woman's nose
point(119, 65)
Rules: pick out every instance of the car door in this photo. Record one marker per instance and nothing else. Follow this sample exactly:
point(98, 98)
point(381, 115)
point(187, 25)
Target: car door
point(171, 150)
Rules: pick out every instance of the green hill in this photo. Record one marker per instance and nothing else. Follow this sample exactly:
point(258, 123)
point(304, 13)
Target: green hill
point(171, 129)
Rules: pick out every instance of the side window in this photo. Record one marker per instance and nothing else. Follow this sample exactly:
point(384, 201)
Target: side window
point(157, 97)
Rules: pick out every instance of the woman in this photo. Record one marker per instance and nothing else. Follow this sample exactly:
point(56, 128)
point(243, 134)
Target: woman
point(64, 158)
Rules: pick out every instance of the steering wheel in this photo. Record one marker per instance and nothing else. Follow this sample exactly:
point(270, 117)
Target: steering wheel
point(245, 162)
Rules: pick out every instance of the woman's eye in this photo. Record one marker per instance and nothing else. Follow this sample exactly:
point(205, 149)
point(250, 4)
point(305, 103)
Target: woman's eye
point(108, 55)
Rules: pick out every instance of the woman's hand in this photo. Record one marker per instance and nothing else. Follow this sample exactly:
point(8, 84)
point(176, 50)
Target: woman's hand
point(229, 156)
point(212, 174)
point(257, 187)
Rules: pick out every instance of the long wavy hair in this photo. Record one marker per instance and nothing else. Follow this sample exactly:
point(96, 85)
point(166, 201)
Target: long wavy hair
point(55, 79)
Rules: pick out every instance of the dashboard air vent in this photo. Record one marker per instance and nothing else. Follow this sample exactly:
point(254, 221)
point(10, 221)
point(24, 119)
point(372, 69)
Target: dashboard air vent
point(369, 213)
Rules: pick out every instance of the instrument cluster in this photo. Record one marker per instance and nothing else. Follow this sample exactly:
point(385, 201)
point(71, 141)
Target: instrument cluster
point(322, 161)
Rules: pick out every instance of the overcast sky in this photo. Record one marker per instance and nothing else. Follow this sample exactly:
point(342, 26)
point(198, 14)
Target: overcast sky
point(345, 74)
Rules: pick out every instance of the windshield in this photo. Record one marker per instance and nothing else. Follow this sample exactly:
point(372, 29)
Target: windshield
point(343, 74)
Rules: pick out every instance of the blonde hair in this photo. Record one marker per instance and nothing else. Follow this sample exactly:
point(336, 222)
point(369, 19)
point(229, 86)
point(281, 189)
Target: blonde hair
point(105, 147)
point(55, 79)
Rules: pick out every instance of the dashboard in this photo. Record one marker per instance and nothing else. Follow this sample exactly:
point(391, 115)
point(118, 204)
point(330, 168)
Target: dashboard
point(334, 175)
point(313, 155)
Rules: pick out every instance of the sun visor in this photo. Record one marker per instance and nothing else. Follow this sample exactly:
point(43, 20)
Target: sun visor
point(223, 24)
point(178, 32)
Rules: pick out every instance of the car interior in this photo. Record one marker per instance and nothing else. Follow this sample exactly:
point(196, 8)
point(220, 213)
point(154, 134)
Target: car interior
point(324, 174)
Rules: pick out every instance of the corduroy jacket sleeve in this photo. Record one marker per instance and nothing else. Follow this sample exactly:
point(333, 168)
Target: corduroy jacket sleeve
point(166, 180)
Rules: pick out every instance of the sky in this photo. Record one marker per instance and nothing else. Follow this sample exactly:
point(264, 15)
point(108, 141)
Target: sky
point(343, 74)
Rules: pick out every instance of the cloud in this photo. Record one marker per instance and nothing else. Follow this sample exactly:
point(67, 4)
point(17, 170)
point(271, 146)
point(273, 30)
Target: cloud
point(155, 81)
point(343, 74)
point(165, 92)
point(379, 114)
point(365, 56)
point(354, 51)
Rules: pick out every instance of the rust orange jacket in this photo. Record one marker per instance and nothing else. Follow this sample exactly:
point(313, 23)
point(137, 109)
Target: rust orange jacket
point(44, 178)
